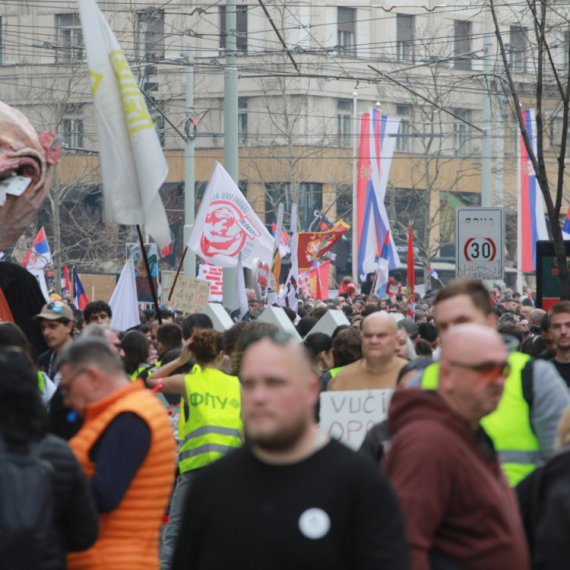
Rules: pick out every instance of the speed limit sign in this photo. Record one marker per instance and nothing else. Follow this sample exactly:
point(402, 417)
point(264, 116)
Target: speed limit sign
point(479, 243)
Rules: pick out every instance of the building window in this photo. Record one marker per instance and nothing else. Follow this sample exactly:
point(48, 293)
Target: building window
point(403, 141)
point(346, 24)
point(72, 126)
point(309, 199)
point(241, 32)
point(150, 34)
point(405, 37)
point(462, 44)
point(460, 140)
point(518, 49)
point(344, 122)
point(242, 121)
point(69, 38)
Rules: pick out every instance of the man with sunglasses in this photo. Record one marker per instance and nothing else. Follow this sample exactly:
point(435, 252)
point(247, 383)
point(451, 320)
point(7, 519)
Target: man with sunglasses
point(457, 504)
point(523, 428)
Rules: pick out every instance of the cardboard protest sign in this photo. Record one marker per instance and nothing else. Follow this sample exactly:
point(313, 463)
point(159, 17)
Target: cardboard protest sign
point(190, 295)
point(348, 415)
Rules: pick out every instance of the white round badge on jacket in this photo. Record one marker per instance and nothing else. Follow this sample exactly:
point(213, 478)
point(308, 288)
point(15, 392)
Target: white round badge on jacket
point(314, 523)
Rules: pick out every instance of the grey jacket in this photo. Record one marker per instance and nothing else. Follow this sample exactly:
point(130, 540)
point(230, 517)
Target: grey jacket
point(550, 398)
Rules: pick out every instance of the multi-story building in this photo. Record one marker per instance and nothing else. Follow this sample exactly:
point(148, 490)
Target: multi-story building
point(296, 128)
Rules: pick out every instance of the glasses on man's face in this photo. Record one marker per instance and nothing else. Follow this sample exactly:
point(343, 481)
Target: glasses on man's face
point(489, 369)
point(65, 391)
point(56, 306)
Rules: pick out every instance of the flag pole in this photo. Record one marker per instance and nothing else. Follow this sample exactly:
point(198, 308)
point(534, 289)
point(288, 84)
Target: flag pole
point(150, 281)
point(177, 273)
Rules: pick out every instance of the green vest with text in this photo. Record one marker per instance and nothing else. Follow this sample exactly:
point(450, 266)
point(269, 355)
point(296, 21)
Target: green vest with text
point(213, 425)
point(509, 425)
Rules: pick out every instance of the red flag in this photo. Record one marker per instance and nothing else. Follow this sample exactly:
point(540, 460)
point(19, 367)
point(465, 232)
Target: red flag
point(313, 245)
point(411, 288)
point(323, 283)
point(341, 288)
point(66, 281)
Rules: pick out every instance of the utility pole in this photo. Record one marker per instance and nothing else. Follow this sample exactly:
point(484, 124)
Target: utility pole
point(190, 258)
point(230, 123)
point(486, 147)
point(354, 186)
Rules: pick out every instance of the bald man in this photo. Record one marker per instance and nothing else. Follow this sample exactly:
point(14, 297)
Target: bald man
point(291, 498)
point(457, 504)
point(379, 366)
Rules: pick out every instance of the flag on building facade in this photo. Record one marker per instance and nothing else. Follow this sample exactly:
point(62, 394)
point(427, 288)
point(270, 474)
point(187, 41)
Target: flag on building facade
point(411, 287)
point(124, 301)
point(226, 225)
point(39, 255)
point(383, 271)
point(374, 161)
point(133, 166)
point(311, 246)
point(65, 281)
point(80, 298)
point(531, 215)
point(566, 227)
point(290, 296)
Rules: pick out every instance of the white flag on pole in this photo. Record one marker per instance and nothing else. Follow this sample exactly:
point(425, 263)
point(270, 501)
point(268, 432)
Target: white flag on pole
point(290, 295)
point(227, 225)
point(124, 303)
point(133, 166)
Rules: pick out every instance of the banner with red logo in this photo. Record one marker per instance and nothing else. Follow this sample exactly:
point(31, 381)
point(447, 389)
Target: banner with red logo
point(312, 246)
point(227, 225)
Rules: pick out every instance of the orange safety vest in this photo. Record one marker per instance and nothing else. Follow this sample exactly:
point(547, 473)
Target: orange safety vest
point(128, 536)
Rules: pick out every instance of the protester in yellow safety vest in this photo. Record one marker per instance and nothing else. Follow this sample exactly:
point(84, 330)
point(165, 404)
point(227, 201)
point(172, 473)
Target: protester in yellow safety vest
point(135, 345)
point(523, 428)
point(210, 423)
point(346, 349)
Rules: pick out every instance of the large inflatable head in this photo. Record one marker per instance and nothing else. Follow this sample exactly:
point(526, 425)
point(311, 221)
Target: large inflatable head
point(23, 155)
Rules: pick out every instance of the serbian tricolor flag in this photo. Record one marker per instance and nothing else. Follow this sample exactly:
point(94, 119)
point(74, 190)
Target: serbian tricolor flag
point(65, 282)
point(80, 298)
point(411, 288)
point(532, 211)
point(38, 256)
point(566, 227)
point(374, 161)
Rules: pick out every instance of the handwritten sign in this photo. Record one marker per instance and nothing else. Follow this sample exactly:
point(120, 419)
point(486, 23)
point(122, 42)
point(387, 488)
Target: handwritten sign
point(347, 416)
point(190, 295)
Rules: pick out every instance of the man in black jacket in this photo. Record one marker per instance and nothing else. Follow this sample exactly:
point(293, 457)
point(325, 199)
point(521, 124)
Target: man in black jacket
point(23, 422)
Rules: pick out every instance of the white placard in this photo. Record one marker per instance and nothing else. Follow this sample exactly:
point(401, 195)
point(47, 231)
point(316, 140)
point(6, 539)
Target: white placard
point(348, 415)
point(479, 250)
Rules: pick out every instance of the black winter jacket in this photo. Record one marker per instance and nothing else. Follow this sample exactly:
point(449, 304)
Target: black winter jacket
point(76, 524)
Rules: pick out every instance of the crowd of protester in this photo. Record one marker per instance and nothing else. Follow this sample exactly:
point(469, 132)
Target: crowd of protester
point(191, 448)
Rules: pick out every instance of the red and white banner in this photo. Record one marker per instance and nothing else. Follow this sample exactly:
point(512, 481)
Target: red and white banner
point(215, 275)
point(226, 225)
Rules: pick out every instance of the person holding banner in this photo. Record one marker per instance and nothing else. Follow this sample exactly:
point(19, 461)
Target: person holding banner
point(291, 498)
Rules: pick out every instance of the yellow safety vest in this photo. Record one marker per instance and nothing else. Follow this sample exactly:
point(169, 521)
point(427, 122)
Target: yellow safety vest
point(138, 372)
point(213, 425)
point(335, 371)
point(509, 425)
point(41, 381)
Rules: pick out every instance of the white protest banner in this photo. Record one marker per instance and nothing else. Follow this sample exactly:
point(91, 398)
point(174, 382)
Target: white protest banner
point(227, 225)
point(215, 275)
point(348, 415)
point(190, 295)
